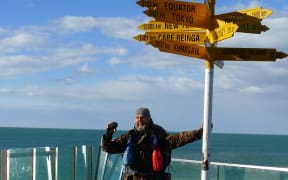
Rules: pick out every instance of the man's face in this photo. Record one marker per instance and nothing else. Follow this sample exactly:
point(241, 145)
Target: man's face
point(141, 122)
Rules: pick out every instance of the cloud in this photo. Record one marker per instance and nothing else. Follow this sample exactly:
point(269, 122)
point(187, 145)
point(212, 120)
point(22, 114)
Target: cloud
point(252, 78)
point(76, 24)
point(133, 88)
point(34, 49)
point(252, 89)
point(85, 68)
point(26, 54)
point(5, 91)
point(117, 27)
point(26, 91)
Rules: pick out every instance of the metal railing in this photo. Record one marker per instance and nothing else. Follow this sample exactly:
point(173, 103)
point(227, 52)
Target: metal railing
point(227, 171)
point(24, 163)
point(110, 168)
point(51, 163)
point(80, 162)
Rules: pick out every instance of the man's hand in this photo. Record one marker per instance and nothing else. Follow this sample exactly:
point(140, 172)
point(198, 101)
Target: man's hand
point(111, 128)
point(211, 127)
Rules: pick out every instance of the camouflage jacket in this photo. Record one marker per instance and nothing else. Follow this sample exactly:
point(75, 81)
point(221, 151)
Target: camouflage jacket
point(144, 145)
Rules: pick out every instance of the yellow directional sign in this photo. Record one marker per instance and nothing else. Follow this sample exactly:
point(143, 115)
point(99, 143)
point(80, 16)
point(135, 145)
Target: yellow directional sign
point(247, 54)
point(222, 32)
point(158, 26)
point(257, 12)
point(178, 18)
point(180, 48)
point(188, 37)
point(148, 4)
point(194, 37)
point(254, 28)
point(183, 7)
point(244, 16)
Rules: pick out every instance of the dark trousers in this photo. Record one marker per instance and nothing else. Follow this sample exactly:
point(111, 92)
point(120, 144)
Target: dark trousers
point(161, 176)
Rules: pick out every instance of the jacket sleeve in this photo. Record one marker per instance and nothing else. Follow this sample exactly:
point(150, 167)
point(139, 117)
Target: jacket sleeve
point(182, 138)
point(114, 146)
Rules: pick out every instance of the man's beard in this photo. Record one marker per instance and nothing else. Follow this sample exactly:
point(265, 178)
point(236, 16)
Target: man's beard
point(141, 127)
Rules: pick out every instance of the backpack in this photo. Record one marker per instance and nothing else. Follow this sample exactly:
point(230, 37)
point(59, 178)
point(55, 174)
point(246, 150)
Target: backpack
point(128, 156)
point(161, 155)
point(161, 134)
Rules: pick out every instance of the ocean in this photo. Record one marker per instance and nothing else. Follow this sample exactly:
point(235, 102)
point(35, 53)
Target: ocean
point(262, 150)
point(266, 150)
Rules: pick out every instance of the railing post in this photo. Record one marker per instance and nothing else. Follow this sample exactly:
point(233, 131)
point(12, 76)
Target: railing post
point(33, 163)
point(55, 163)
point(218, 173)
point(97, 164)
point(74, 163)
point(90, 163)
point(49, 164)
point(104, 166)
point(5, 164)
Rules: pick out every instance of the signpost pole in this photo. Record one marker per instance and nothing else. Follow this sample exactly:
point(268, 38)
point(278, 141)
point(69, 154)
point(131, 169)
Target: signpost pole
point(208, 94)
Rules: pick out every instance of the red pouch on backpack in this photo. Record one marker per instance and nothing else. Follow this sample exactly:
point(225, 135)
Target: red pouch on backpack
point(157, 159)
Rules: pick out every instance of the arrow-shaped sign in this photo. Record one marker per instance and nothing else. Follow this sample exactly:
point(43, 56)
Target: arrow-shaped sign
point(222, 32)
point(188, 37)
point(254, 28)
point(245, 16)
point(159, 26)
point(247, 54)
point(220, 53)
point(257, 12)
point(188, 8)
point(183, 49)
point(178, 18)
point(193, 37)
point(180, 48)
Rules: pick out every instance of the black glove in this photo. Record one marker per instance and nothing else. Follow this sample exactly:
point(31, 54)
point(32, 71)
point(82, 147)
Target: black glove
point(199, 133)
point(112, 127)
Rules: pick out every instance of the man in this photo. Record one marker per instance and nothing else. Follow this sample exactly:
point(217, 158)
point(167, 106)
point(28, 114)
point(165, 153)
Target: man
point(147, 147)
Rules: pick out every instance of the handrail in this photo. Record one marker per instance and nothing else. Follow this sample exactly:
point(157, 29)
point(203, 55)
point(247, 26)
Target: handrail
point(106, 166)
point(268, 168)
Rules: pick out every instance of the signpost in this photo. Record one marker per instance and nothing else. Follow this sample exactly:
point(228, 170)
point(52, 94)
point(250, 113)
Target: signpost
point(172, 6)
point(192, 29)
point(192, 37)
point(257, 12)
point(253, 28)
point(178, 18)
point(179, 36)
point(222, 32)
point(247, 54)
point(244, 16)
point(159, 26)
point(180, 48)
point(208, 97)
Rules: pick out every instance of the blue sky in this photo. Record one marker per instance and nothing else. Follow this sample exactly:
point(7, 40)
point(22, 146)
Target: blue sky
point(75, 64)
